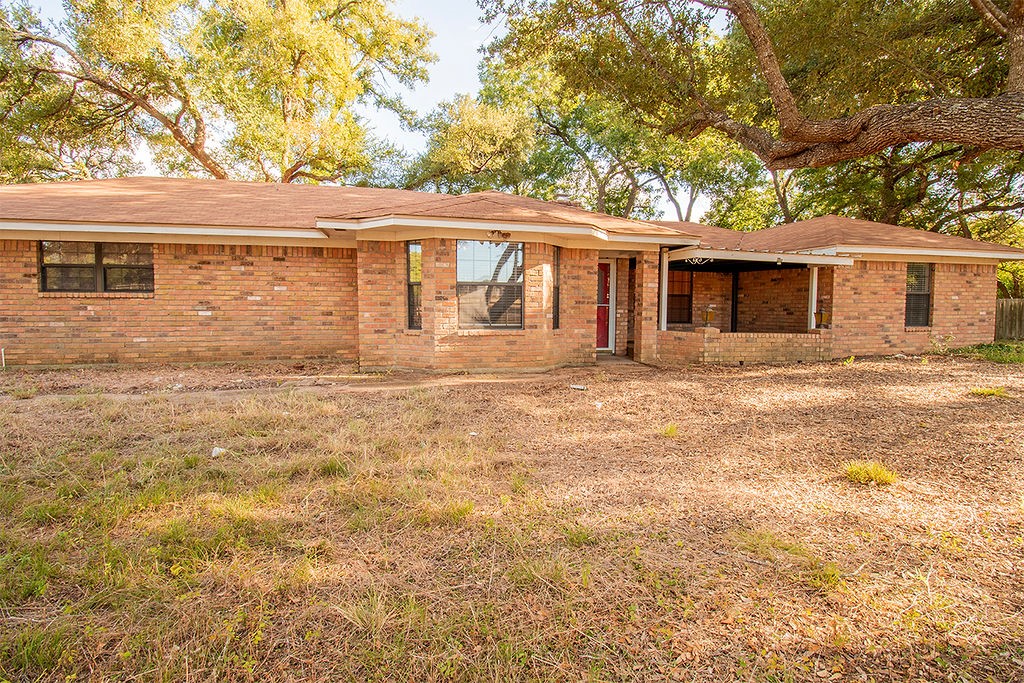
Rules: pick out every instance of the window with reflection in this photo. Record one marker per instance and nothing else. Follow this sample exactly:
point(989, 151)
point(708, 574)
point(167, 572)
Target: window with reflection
point(489, 284)
point(95, 267)
point(414, 293)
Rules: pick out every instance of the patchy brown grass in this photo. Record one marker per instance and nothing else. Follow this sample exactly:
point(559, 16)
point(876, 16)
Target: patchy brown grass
point(466, 528)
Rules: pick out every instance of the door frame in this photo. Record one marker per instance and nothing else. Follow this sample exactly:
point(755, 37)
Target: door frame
point(611, 306)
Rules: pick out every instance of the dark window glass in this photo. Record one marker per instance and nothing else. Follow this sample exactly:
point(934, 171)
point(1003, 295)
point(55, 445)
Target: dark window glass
point(680, 297)
point(92, 267)
point(414, 298)
point(556, 299)
point(919, 294)
point(490, 284)
point(69, 278)
point(118, 279)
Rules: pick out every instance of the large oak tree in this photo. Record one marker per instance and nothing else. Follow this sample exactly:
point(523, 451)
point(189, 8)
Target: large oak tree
point(254, 89)
point(763, 72)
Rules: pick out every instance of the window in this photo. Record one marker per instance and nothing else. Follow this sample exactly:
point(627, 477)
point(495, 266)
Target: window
point(556, 304)
point(919, 294)
point(489, 284)
point(95, 267)
point(680, 297)
point(414, 273)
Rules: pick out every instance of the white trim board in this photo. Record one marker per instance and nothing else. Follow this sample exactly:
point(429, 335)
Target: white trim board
point(855, 251)
point(392, 222)
point(758, 256)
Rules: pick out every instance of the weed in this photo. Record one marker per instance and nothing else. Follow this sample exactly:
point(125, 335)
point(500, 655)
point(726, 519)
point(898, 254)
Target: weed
point(825, 576)
point(34, 650)
point(371, 615)
point(450, 513)
point(578, 536)
point(23, 393)
point(999, 392)
point(999, 352)
point(518, 481)
point(849, 361)
point(869, 472)
point(333, 467)
point(670, 431)
point(765, 543)
point(24, 574)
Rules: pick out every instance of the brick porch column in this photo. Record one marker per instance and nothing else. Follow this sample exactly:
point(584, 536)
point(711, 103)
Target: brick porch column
point(645, 315)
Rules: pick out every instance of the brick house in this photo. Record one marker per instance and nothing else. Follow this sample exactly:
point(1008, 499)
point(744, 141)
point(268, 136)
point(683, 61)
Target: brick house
point(160, 269)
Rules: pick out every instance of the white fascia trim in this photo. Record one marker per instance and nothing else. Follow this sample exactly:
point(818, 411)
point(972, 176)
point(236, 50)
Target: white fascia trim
point(663, 239)
point(918, 251)
point(759, 256)
point(398, 222)
point(462, 224)
point(211, 231)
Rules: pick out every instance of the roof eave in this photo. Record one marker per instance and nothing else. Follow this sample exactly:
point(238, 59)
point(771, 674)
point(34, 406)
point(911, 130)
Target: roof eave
point(778, 257)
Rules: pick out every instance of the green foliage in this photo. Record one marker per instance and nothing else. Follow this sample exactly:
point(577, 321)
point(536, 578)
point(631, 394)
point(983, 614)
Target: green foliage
point(999, 352)
point(474, 146)
point(50, 129)
point(241, 88)
point(868, 472)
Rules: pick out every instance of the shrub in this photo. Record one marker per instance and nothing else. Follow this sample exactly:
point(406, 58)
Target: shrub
point(869, 472)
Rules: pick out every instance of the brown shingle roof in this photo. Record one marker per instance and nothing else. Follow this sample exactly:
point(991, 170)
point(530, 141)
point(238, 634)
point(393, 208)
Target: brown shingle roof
point(183, 201)
point(491, 205)
point(711, 237)
point(826, 232)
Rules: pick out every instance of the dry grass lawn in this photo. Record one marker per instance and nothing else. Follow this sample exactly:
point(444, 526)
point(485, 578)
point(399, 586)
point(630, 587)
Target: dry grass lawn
point(661, 525)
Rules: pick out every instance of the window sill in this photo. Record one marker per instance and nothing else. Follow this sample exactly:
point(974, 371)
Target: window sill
point(917, 328)
point(486, 332)
point(96, 295)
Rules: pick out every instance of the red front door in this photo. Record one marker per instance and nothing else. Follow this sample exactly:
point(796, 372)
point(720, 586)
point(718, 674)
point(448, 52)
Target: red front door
point(604, 283)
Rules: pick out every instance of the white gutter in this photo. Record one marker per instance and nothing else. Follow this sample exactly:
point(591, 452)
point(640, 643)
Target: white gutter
point(142, 229)
point(758, 256)
point(463, 224)
point(853, 250)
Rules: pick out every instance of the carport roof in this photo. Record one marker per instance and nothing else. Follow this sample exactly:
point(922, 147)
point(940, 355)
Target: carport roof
point(837, 235)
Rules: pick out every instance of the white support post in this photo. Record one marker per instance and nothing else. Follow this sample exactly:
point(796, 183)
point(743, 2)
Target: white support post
point(812, 298)
point(663, 294)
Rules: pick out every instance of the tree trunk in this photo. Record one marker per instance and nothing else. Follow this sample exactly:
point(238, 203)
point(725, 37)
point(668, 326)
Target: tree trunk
point(689, 204)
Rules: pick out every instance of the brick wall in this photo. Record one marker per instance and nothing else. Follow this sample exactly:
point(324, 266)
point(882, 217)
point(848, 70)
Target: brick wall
point(645, 312)
point(773, 300)
point(869, 301)
point(710, 289)
point(210, 303)
point(709, 345)
point(385, 342)
point(622, 307)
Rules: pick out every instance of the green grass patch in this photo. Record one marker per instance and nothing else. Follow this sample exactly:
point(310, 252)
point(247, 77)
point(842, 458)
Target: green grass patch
point(22, 393)
point(998, 392)
point(870, 472)
point(579, 536)
point(999, 352)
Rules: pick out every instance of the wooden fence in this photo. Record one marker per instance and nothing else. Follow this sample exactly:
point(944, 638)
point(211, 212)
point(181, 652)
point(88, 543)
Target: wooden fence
point(1010, 319)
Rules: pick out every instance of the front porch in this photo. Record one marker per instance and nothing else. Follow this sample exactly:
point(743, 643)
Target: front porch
point(745, 307)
